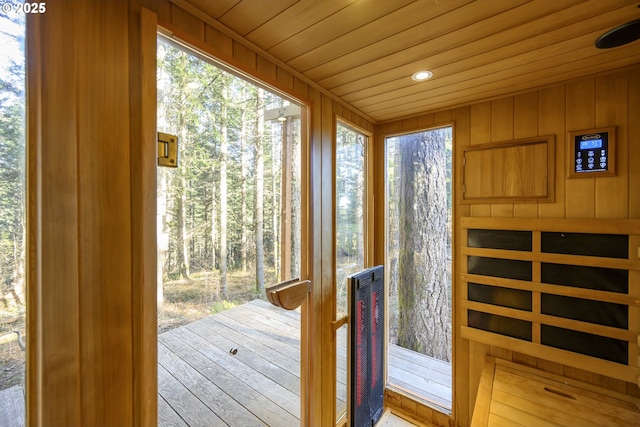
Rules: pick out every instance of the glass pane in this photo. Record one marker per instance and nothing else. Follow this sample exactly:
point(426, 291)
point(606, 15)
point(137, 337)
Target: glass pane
point(229, 226)
point(342, 340)
point(350, 202)
point(419, 264)
point(12, 211)
point(350, 243)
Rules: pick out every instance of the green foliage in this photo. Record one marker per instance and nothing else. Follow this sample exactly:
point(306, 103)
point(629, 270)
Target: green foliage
point(203, 105)
point(223, 305)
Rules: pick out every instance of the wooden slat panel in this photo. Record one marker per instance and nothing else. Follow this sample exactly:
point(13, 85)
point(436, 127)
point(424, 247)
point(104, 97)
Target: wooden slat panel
point(247, 15)
point(516, 171)
point(104, 205)
point(294, 20)
point(590, 364)
point(381, 38)
point(143, 214)
point(590, 328)
point(333, 26)
point(611, 107)
point(551, 117)
point(53, 285)
point(365, 54)
point(548, 31)
point(216, 8)
point(502, 77)
point(570, 225)
point(623, 57)
point(568, 291)
point(525, 124)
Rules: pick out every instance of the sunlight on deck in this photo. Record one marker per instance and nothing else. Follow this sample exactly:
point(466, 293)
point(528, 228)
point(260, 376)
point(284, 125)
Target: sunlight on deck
point(241, 367)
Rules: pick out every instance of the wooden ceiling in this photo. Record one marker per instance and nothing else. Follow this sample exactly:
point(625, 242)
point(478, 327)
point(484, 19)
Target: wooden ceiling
point(365, 51)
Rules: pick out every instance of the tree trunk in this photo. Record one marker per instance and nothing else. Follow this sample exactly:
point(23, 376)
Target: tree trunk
point(423, 320)
point(295, 201)
point(213, 207)
point(223, 193)
point(162, 234)
point(184, 230)
point(243, 202)
point(276, 211)
point(260, 194)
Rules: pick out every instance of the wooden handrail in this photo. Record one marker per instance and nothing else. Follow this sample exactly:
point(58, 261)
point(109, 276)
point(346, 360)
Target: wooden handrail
point(289, 294)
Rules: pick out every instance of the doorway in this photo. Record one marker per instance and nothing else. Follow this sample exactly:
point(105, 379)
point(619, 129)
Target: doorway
point(419, 259)
point(229, 218)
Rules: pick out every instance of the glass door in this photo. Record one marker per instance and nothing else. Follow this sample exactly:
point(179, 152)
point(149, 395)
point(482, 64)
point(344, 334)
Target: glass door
point(351, 238)
point(418, 257)
point(229, 218)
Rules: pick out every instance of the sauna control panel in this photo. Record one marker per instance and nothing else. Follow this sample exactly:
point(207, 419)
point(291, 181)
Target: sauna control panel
point(592, 153)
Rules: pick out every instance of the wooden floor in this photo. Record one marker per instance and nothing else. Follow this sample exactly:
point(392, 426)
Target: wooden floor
point(241, 367)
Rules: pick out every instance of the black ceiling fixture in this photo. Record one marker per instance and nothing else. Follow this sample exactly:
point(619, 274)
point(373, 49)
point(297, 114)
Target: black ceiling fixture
point(620, 35)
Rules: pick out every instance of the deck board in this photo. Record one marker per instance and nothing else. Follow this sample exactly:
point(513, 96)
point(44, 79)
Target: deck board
point(12, 407)
point(201, 383)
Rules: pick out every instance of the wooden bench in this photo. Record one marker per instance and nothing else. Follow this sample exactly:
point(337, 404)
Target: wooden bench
point(516, 395)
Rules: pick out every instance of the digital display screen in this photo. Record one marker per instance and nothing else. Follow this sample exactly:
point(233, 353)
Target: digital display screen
point(591, 144)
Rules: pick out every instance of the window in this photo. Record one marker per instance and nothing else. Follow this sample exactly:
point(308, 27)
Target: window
point(351, 148)
point(12, 208)
point(418, 259)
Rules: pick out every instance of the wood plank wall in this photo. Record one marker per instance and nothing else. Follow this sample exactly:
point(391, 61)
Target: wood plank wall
point(606, 100)
point(92, 358)
point(90, 362)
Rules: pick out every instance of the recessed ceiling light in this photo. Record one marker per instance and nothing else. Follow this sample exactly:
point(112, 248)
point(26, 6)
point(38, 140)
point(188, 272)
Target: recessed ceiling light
point(422, 75)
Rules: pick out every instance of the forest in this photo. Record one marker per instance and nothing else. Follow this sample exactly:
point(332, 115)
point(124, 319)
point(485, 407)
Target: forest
point(229, 215)
point(12, 197)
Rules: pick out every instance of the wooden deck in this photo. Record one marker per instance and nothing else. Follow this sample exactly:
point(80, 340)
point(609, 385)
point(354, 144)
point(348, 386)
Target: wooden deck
point(241, 367)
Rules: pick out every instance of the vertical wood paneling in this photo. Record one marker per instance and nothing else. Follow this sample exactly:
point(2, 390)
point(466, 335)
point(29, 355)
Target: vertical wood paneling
point(53, 366)
point(143, 66)
point(525, 124)
point(221, 42)
point(633, 136)
point(313, 356)
point(300, 88)
point(244, 56)
point(461, 354)
point(104, 205)
point(187, 22)
point(328, 262)
point(611, 110)
point(480, 134)
point(580, 192)
point(551, 121)
point(425, 120)
point(284, 78)
point(266, 68)
point(502, 130)
point(83, 358)
point(604, 101)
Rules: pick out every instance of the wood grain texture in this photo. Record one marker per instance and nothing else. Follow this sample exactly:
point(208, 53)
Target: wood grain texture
point(553, 111)
point(53, 280)
point(516, 394)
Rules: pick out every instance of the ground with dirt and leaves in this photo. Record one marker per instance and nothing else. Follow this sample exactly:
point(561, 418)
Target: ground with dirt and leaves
point(185, 301)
